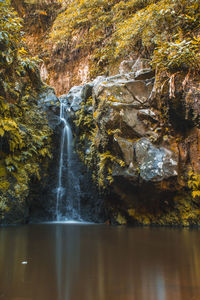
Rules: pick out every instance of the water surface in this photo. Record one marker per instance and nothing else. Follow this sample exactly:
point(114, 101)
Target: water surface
point(98, 262)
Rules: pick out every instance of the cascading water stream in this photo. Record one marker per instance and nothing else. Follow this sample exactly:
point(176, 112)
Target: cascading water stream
point(68, 190)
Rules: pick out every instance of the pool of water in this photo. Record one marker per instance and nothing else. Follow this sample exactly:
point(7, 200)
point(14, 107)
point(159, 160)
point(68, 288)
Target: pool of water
point(98, 262)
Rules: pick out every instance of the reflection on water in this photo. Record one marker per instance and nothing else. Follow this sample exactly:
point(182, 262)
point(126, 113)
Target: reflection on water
point(97, 262)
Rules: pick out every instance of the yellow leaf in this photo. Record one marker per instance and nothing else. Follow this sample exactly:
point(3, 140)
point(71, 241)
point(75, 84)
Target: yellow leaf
point(42, 12)
point(1, 132)
point(195, 194)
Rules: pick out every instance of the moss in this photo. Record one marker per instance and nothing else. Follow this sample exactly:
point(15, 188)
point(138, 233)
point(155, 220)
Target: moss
point(105, 167)
point(181, 211)
point(88, 130)
point(4, 185)
point(121, 220)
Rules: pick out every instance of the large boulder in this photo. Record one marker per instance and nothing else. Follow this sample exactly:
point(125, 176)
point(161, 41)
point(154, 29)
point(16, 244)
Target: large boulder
point(74, 98)
point(140, 146)
point(124, 89)
point(155, 163)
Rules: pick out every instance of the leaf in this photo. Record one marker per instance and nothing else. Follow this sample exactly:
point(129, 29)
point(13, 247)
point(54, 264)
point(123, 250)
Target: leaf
point(190, 184)
point(10, 168)
point(195, 194)
point(1, 132)
point(42, 12)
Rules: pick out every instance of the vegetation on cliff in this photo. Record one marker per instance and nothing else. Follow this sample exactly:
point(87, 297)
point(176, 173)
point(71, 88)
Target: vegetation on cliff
point(80, 37)
point(107, 143)
point(24, 131)
point(165, 30)
point(166, 33)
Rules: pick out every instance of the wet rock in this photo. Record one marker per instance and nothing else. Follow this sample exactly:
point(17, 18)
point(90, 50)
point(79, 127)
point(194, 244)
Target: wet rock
point(53, 119)
point(147, 114)
point(130, 174)
point(155, 163)
point(74, 98)
point(140, 90)
point(48, 97)
point(64, 98)
point(49, 103)
point(134, 65)
point(128, 117)
point(144, 74)
point(140, 64)
point(127, 149)
point(86, 91)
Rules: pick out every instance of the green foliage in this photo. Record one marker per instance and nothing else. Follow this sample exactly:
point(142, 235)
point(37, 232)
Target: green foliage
point(165, 30)
point(179, 54)
point(101, 163)
point(25, 140)
point(90, 25)
point(10, 34)
point(24, 132)
point(194, 184)
point(85, 118)
point(106, 162)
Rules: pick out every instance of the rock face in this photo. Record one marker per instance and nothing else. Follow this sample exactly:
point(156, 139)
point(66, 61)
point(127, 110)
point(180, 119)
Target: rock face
point(42, 195)
point(124, 89)
point(138, 157)
point(155, 164)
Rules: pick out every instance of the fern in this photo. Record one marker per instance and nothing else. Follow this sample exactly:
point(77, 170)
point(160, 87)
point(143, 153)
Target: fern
point(194, 184)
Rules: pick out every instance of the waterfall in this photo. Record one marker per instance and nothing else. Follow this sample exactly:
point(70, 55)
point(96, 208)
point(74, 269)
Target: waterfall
point(68, 189)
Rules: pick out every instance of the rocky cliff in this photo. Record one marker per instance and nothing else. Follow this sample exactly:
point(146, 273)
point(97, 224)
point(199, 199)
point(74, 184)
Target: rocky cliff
point(141, 143)
point(137, 123)
point(61, 66)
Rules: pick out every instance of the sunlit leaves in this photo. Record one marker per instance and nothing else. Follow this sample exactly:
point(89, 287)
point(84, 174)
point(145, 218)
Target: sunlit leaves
point(179, 54)
point(10, 34)
point(194, 184)
point(168, 26)
point(165, 29)
point(24, 133)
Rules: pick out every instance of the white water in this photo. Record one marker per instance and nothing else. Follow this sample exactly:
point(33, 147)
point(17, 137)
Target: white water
point(68, 190)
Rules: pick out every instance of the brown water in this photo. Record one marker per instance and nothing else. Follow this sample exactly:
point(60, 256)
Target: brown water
point(98, 262)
